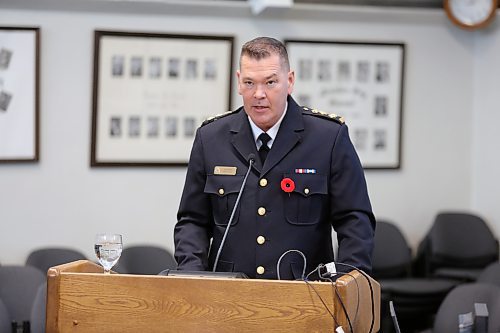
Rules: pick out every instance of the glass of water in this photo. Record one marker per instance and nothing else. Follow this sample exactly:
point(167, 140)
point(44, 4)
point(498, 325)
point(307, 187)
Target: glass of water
point(108, 249)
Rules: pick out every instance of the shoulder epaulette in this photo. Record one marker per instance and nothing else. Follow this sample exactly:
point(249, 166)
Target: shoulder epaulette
point(321, 114)
point(218, 116)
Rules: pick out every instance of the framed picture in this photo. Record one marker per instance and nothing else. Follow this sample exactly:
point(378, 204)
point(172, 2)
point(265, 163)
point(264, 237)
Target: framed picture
point(19, 94)
point(151, 93)
point(362, 82)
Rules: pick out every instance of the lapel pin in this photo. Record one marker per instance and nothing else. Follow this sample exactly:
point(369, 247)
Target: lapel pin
point(287, 185)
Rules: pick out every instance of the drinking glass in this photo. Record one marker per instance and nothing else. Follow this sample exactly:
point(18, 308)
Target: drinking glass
point(108, 249)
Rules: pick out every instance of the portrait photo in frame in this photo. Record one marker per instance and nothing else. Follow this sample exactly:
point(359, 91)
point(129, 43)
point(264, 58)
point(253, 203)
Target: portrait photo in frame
point(363, 83)
point(152, 91)
point(19, 94)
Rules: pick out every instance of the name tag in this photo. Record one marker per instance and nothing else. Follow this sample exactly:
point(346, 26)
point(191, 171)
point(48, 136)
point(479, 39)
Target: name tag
point(225, 170)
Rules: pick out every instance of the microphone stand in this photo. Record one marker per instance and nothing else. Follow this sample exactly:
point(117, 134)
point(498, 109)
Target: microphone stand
point(251, 158)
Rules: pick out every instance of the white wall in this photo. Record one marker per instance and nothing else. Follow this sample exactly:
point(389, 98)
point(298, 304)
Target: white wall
point(61, 200)
point(486, 119)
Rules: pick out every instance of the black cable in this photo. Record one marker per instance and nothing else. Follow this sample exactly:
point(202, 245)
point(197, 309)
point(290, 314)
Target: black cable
point(305, 279)
point(337, 294)
point(310, 273)
point(340, 299)
point(335, 323)
point(357, 289)
point(334, 287)
point(371, 291)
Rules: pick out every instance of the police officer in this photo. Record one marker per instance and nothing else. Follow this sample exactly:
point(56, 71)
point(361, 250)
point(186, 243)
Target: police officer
point(306, 178)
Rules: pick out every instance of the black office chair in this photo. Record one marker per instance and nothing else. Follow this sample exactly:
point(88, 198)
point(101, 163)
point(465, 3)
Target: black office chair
point(458, 246)
point(5, 325)
point(145, 259)
point(461, 300)
point(490, 274)
point(415, 299)
point(18, 289)
point(45, 258)
point(38, 310)
point(391, 255)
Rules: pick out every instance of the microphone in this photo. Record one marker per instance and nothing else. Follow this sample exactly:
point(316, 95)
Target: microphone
point(394, 318)
point(251, 161)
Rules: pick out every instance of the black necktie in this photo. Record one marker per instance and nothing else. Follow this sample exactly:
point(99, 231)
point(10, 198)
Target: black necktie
point(264, 149)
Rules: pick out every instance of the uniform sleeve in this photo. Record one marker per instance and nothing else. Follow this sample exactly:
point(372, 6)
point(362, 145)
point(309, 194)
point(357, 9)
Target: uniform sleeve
point(192, 232)
point(351, 212)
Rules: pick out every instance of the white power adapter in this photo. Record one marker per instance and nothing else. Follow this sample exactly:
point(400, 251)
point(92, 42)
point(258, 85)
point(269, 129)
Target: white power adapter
point(330, 268)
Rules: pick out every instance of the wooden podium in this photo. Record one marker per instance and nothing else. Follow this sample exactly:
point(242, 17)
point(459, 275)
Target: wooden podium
point(80, 298)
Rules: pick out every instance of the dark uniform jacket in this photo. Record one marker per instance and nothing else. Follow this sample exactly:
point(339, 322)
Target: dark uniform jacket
point(314, 151)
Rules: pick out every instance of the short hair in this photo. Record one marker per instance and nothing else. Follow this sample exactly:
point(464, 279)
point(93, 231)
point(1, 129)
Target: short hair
point(263, 47)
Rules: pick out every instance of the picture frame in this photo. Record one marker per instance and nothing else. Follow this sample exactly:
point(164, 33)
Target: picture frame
point(361, 81)
point(152, 91)
point(19, 94)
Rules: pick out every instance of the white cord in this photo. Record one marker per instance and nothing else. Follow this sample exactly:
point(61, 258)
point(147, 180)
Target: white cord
point(284, 254)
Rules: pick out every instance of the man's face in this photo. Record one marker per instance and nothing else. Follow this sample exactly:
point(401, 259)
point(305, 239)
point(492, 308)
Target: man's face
point(264, 85)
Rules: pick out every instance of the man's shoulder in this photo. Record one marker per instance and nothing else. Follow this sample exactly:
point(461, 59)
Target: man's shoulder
point(322, 115)
point(220, 116)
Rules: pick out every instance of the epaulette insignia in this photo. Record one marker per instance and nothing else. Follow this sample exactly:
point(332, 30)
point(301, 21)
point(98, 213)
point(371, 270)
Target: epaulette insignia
point(219, 116)
point(322, 114)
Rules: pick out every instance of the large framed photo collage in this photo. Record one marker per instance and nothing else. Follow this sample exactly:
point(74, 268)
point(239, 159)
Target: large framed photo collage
point(362, 82)
point(152, 91)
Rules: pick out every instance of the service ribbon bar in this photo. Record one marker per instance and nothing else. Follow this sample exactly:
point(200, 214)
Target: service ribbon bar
point(305, 170)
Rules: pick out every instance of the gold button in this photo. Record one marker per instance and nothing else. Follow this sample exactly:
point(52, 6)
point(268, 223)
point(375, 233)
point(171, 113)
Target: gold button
point(261, 240)
point(306, 191)
point(261, 211)
point(263, 182)
point(260, 270)
point(221, 191)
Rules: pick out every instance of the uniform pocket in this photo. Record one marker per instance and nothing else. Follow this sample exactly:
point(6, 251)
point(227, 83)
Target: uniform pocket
point(305, 204)
point(223, 192)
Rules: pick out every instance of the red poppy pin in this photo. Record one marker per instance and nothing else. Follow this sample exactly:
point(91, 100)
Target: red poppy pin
point(287, 185)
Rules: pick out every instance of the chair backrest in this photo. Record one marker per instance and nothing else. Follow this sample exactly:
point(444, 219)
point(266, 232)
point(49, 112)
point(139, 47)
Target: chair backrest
point(18, 288)
point(45, 258)
point(461, 240)
point(391, 254)
point(145, 259)
point(4, 318)
point(491, 274)
point(38, 310)
point(461, 300)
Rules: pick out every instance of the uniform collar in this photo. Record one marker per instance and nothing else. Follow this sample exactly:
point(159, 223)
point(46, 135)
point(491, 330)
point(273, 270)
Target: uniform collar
point(289, 135)
point(272, 132)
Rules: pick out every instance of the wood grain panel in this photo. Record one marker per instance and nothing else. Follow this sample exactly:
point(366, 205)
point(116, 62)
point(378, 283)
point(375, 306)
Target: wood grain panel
point(93, 302)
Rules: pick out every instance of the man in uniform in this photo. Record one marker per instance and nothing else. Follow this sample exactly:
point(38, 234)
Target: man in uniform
point(306, 178)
